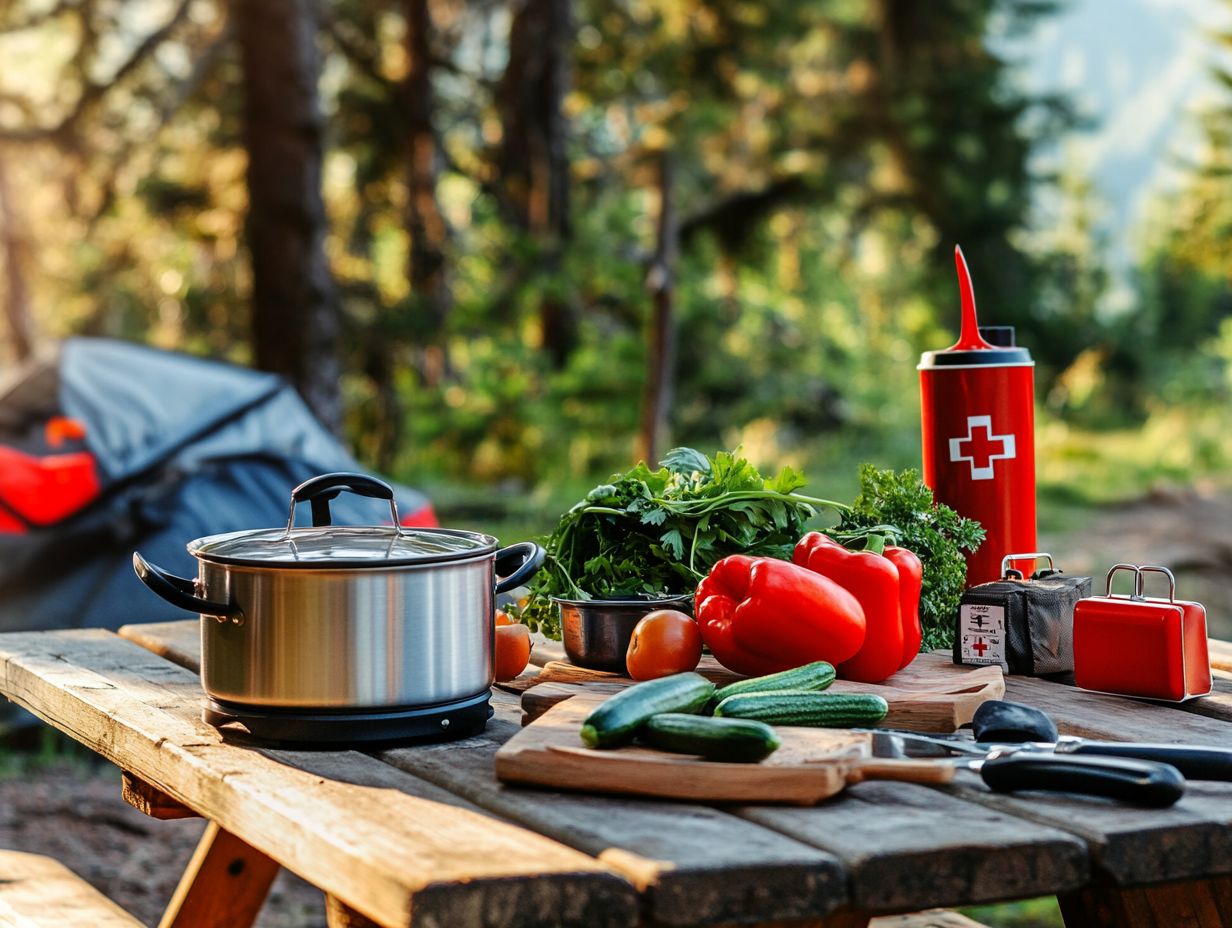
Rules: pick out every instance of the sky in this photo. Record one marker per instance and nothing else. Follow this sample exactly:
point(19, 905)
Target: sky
point(1141, 70)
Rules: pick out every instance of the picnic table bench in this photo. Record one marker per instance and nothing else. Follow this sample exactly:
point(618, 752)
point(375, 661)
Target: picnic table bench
point(426, 835)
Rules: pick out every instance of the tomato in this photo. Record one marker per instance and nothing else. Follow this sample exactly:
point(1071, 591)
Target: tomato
point(512, 650)
point(502, 617)
point(664, 642)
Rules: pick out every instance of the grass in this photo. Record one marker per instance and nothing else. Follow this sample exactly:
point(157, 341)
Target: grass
point(1081, 467)
point(1031, 913)
point(27, 751)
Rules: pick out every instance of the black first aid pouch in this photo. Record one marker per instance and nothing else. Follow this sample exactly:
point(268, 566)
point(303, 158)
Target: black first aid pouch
point(1025, 625)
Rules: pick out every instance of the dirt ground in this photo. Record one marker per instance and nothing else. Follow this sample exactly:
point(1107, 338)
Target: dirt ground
point(74, 812)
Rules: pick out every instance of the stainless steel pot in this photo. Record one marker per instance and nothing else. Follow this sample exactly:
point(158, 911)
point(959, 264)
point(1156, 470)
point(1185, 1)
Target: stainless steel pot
point(332, 618)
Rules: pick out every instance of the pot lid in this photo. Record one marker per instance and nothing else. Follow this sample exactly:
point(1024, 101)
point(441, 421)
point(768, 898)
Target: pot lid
point(342, 546)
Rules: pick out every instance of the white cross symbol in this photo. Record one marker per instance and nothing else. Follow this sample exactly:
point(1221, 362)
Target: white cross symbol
point(979, 448)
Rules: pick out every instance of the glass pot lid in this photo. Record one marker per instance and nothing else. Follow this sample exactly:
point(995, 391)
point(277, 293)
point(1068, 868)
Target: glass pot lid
point(342, 546)
point(326, 545)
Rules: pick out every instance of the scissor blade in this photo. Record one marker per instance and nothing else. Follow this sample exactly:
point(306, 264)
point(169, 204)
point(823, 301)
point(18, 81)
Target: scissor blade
point(907, 744)
point(1009, 769)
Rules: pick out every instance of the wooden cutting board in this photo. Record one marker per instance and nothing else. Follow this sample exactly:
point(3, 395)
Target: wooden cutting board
point(811, 765)
point(931, 694)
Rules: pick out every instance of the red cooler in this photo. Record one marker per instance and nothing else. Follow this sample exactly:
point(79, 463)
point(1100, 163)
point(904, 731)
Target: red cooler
point(978, 409)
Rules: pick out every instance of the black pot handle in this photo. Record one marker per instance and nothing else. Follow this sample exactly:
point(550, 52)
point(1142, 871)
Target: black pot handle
point(320, 490)
point(181, 592)
point(523, 559)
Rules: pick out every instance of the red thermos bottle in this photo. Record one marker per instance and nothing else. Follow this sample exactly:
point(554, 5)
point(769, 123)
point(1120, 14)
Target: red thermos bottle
point(978, 416)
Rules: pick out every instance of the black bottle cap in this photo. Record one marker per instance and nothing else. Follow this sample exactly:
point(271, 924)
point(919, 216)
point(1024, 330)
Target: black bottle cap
point(1000, 335)
point(998, 356)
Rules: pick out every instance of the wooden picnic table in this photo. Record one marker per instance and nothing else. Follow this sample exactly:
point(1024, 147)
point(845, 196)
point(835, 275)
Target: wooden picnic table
point(426, 836)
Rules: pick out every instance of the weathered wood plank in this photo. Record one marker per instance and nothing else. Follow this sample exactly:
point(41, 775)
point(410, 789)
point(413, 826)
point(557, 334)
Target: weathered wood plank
point(1194, 904)
point(152, 801)
point(37, 891)
point(340, 915)
point(908, 847)
point(1174, 844)
point(1135, 846)
point(1114, 718)
point(691, 861)
point(843, 920)
point(1221, 654)
point(397, 849)
point(224, 885)
point(696, 865)
point(1129, 845)
point(179, 641)
point(1218, 705)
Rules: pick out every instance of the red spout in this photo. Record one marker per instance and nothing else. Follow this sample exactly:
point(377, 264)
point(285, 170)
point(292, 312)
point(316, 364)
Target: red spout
point(969, 338)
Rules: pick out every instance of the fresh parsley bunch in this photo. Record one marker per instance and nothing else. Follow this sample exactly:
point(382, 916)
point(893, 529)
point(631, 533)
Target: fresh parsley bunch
point(901, 506)
point(658, 532)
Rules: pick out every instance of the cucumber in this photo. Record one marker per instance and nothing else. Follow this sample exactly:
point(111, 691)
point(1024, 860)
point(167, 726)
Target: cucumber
point(815, 676)
point(795, 707)
point(616, 721)
point(740, 741)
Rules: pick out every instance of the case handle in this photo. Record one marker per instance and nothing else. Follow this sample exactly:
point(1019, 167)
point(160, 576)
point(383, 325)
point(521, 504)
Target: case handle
point(1010, 558)
point(1137, 594)
point(1140, 581)
point(1156, 570)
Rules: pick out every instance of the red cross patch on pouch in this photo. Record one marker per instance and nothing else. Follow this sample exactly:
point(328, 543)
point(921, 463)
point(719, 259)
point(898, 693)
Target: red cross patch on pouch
point(981, 631)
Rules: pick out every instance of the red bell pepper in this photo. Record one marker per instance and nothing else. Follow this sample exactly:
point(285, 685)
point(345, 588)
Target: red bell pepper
point(761, 615)
point(910, 580)
point(875, 581)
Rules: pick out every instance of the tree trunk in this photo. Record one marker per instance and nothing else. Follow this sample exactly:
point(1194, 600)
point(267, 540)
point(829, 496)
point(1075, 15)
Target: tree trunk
point(296, 320)
point(16, 293)
point(428, 269)
point(533, 161)
point(661, 349)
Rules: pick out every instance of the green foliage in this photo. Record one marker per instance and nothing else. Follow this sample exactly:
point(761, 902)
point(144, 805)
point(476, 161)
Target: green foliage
point(658, 532)
point(1166, 350)
point(901, 505)
point(1031, 913)
point(825, 157)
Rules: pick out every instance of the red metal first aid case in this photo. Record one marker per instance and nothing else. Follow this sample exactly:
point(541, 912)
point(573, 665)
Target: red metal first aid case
point(1141, 646)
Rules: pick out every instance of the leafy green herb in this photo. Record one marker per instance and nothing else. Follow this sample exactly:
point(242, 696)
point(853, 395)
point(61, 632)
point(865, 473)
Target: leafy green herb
point(658, 532)
point(901, 506)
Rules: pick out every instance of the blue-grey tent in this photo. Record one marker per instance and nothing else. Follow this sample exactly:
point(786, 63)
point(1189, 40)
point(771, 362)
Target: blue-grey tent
point(159, 448)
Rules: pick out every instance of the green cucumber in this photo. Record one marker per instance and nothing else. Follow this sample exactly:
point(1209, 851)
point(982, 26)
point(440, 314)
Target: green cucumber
point(795, 707)
point(616, 721)
point(739, 741)
point(815, 677)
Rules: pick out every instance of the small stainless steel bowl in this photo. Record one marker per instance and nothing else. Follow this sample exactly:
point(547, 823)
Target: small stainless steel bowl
point(596, 632)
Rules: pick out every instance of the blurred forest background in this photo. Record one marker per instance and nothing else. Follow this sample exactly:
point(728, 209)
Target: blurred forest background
point(505, 247)
point(516, 244)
